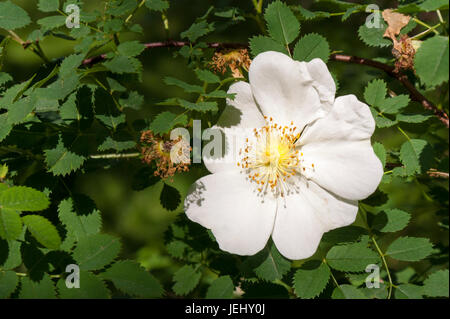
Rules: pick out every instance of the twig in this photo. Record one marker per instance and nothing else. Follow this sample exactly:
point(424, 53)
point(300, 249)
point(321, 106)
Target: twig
point(415, 95)
point(109, 156)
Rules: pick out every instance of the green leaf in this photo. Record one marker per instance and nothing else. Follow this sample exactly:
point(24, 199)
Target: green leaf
point(207, 76)
point(10, 224)
point(408, 291)
point(95, 251)
point(375, 92)
point(380, 151)
point(410, 248)
point(186, 279)
point(412, 155)
point(259, 44)
point(273, 266)
point(43, 230)
point(197, 30)
point(132, 279)
point(177, 249)
point(394, 105)
point(165, 121)
point(121, 8)
point(219, 94)
point(170, 197)
point(351, 257)
point(432, 5)
point(347, 292)
point(91, 287)
point(70, 64)
point(20, 110)
point(115, 85)
point(373, 37)
point(59, 89)
point(48, 5)
point(131, 48)
point(78, 222)
point(375, 293)
point(199, 106)
point(52, 22)
point(121, 64)
point(157, 5)
point(14, 258)
point(61, 161)
point(413, 118)
point(12, 16)
point(221, 288)
point(282, 24)
point(110, 121)
point(134, 101)
point(431, 61)
point(119, 146)
point(5, 126)
point(23, 198)
point(5, 78)
point(436, 285)
point(309, 283)
point(312, 46)
point(43, 289)
point(391, 220)
point(8, 283)
point(189, 88)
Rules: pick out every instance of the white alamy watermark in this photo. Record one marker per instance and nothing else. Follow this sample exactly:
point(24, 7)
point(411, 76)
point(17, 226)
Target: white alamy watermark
point(373, 20)
point(373, 280)
point(73, 279)
point(73, 17)
point(224, 145)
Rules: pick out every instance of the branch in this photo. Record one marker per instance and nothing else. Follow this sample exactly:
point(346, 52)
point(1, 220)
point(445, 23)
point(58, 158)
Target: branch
point(415, 95)
point(432, 172)
point(173, 44)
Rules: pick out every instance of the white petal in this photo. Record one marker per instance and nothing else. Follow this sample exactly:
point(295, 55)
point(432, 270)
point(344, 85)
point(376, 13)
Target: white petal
point(225, 203)
point(236, 122)
point(242, 111)
point(305, 216)
point(324, 82)
point(339, 148)
point(289, 90)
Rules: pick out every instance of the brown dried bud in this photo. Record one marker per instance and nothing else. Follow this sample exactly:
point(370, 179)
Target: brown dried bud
point(235, 60)
point(160, 151)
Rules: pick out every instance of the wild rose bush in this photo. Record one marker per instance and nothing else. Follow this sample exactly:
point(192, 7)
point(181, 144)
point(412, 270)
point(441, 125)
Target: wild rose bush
point(331, 179)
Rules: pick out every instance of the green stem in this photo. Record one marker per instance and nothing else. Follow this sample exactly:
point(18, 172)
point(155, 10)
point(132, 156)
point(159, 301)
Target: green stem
point(385, 266)
point(422, 34)
point(425, 25)
point(372, 237)
point(134, 11)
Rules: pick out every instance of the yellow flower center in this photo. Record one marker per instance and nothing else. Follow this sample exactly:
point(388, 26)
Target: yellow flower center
point(271, 158)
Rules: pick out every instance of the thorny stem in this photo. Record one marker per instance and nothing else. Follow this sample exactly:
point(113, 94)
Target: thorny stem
point(414, 93)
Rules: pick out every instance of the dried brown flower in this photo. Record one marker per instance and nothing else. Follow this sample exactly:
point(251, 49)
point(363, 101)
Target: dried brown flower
point(404, 52)
point(235, 60)
point(160, 151)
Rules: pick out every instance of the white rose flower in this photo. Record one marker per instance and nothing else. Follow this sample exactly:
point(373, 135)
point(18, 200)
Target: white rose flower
point(300, 171)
